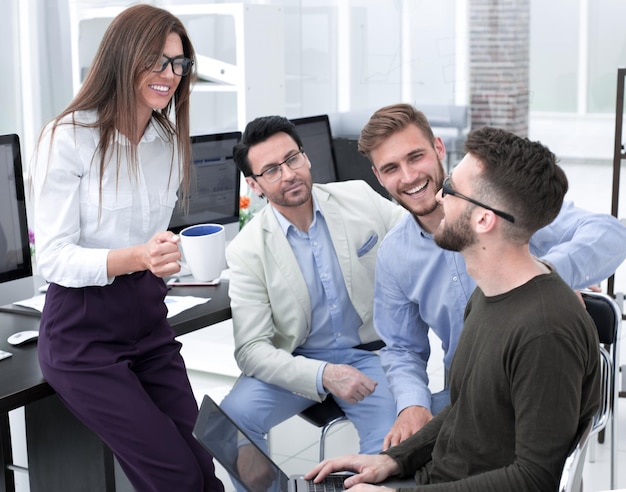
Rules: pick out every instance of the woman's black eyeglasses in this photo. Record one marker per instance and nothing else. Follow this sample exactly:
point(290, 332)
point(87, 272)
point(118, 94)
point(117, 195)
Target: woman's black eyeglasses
point(446, 189)
point(181, 65)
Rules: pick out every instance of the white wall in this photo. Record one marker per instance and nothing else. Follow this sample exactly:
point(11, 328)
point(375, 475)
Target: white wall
point(11, 114)
point(357, 55)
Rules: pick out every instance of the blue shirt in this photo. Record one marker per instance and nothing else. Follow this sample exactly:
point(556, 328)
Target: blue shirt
point(334, 321)
point(419, 285)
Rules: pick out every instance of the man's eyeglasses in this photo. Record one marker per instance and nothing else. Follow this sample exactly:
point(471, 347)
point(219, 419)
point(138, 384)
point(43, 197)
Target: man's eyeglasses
point(273, 174)
point(181, 65)
point(447, 189)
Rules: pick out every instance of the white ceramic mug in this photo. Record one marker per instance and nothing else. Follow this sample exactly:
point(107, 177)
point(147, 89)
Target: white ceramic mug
point(203, 247)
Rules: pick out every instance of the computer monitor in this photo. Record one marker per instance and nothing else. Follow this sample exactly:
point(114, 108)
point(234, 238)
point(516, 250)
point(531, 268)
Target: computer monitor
point(351, 164)
point(15, 263)
point(317, 143)
point(214, 194)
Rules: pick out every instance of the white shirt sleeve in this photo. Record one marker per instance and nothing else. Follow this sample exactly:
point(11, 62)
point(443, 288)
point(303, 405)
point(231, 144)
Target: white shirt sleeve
point(80, 215)
point(56, 178)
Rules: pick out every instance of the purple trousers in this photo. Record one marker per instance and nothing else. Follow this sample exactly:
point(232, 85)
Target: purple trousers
point(111, 356)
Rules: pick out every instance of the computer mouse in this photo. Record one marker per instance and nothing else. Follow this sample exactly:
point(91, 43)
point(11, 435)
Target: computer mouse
point(22, 337)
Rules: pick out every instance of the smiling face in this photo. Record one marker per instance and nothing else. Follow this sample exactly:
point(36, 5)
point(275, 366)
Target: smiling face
point(155, 90)
point(293, 189)
point(410, 169)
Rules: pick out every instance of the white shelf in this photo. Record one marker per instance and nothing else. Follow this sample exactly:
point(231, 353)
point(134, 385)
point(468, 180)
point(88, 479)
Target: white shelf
point(248, 82)
point(206, 86)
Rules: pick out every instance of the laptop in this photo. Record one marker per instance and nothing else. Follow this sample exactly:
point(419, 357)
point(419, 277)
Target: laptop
point(220, 436)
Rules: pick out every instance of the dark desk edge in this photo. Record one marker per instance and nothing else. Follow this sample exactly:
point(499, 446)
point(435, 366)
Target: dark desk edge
point(189, 320)
point(15, 309)
point(214, 311)
point(23, 398)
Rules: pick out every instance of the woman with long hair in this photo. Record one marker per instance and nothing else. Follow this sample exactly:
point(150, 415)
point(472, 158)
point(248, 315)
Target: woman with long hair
point(105, 180)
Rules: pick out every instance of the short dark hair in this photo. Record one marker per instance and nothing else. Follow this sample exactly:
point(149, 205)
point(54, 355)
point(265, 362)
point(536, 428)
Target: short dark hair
point(391, 119)
point(520, 176)
point(257, 131)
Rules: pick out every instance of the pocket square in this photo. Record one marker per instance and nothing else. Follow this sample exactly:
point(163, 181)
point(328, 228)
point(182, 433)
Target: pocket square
point(368, 245)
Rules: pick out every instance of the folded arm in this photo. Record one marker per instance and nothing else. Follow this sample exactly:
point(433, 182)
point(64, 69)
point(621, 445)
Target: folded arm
point(585, 248)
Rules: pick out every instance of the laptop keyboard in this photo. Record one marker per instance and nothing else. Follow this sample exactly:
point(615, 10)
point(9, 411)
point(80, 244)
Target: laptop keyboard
point(329, 484)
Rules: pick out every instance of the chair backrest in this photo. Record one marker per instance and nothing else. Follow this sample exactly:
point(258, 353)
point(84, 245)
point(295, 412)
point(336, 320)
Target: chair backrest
point(572, 474)
point(601, 418)
point(607, 316)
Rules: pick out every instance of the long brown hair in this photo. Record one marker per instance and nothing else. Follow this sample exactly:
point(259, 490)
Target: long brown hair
point(125, 52)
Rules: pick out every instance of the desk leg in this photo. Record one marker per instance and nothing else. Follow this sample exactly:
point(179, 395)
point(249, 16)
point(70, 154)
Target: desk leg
point(63, 454)
point(7, 479)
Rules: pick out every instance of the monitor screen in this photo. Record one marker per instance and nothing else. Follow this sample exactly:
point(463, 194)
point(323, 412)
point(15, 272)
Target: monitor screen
point(351, 164)
point(215, 180)
point(317, 143)
point(15, 262)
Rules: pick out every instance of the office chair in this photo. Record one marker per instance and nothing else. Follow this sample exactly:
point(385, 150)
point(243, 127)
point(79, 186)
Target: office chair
point(327, 413)
point(572, 474)
point(324, 414)
point(607, 317)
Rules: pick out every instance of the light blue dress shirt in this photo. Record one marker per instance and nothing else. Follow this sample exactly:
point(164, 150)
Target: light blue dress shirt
point(419, 285)
point(334, 321)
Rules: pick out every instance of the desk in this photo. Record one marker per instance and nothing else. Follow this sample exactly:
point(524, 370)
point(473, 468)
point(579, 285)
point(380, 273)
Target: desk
point(63, 455)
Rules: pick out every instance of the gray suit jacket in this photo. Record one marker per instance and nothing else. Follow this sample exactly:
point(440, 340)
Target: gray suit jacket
point(269, 297)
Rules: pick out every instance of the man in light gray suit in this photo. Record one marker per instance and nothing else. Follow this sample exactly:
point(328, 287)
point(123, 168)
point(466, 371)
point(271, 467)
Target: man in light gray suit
point(302, 287)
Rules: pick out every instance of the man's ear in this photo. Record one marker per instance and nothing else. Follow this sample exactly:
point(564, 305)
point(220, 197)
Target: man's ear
point(375, 171)
point(485, 220)
point(254, 186)
point(440, 148)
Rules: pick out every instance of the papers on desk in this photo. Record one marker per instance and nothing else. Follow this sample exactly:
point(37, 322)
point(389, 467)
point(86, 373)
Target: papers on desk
point(175, 304)
point(35, 302)
point(178, 304)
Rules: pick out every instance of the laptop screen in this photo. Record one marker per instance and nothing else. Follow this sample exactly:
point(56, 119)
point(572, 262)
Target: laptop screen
point(249, 467)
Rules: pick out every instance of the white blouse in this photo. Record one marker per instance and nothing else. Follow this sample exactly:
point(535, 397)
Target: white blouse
point(75, 226)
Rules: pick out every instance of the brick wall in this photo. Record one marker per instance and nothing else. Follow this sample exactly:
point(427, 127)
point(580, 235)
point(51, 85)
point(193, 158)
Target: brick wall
point(498, 65)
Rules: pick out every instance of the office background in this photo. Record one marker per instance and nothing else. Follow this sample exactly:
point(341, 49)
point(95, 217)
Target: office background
point(349, 57)
point(342, 56)
point(551, 65)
